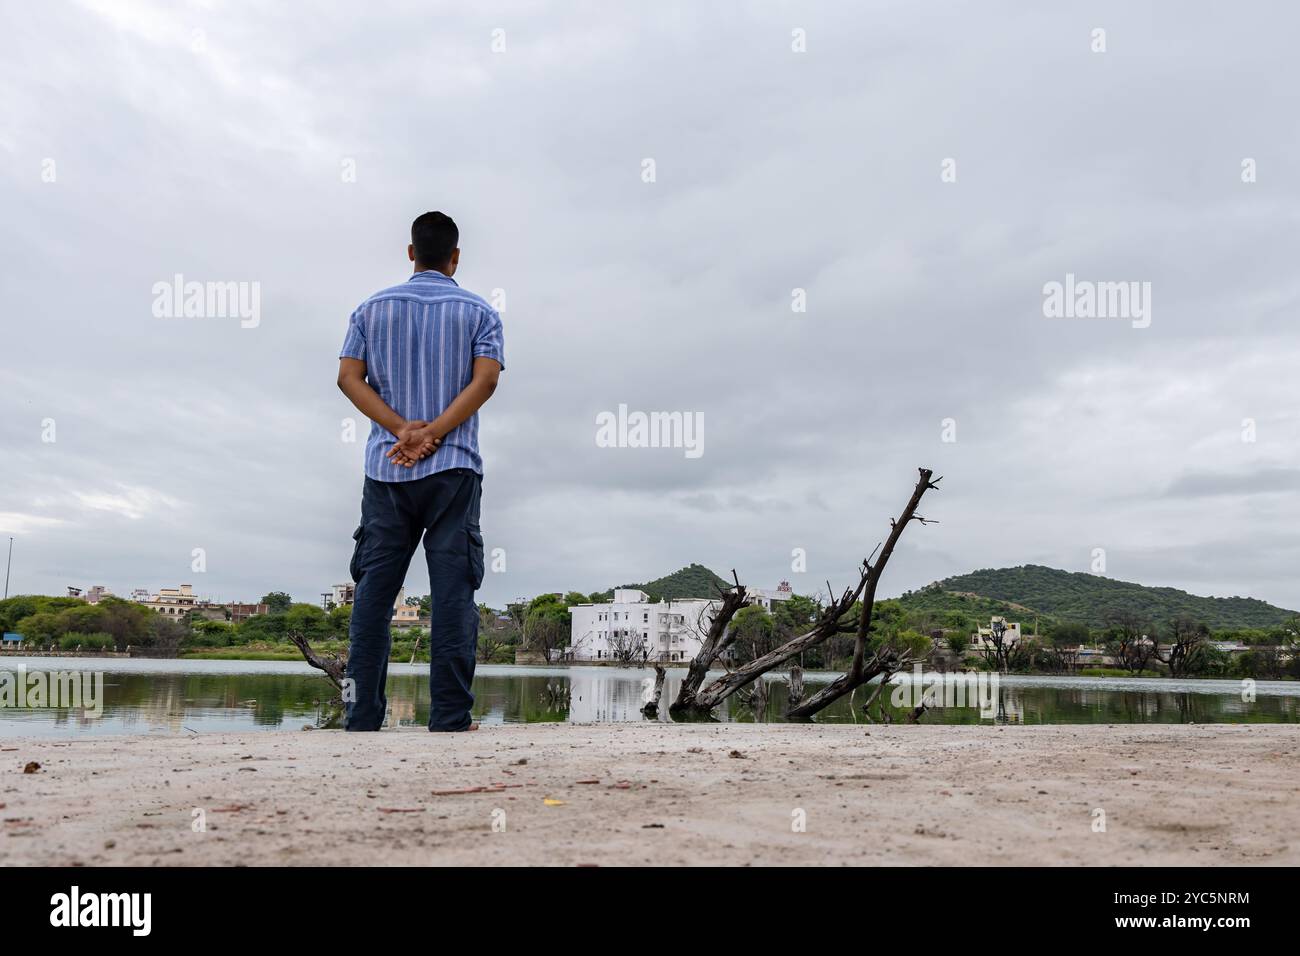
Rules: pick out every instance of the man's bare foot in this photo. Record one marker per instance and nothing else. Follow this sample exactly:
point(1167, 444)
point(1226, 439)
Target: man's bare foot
point(472, 727)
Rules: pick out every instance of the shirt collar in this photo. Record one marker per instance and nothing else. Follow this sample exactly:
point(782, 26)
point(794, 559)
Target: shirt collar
point(433, 275)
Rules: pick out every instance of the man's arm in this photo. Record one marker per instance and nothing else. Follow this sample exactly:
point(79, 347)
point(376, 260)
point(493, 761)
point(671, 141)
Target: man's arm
point(482, 383)
point(352, 382)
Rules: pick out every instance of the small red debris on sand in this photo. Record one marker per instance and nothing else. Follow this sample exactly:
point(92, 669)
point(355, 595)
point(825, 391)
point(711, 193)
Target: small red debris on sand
point(32, 767)
point(233, 808)
point(400, 809)
point(621, 785)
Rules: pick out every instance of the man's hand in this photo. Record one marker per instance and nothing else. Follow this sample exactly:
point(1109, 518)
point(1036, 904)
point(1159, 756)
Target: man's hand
point(415, 440)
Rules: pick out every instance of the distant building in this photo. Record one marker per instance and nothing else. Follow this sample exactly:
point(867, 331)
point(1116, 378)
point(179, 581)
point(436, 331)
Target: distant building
point(179, 603)
point(97, 593)
point(632, 628)
point(174, 603)
point(1086, 656)
point(763, 597)
point(983, 637)
point(405, 615)
point(11, 639)
point(242, 612)
point(1230, 647)
point(338, 595)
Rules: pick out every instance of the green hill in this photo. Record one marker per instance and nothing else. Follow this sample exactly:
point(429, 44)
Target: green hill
point(1085, 598)
point(695, 581)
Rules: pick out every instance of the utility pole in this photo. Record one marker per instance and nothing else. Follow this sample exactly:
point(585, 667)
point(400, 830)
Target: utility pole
point(9, 565)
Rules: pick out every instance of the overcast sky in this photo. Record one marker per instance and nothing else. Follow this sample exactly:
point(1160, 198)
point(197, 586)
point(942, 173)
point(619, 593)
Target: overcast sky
point(217, 141)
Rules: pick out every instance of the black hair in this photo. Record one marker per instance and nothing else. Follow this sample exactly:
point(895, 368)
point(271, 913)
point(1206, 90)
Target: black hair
point(434, 236)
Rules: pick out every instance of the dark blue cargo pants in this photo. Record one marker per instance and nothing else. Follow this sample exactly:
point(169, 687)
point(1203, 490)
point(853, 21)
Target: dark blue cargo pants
point(443, 509)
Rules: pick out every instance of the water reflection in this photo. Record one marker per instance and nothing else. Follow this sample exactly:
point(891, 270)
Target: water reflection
point(179, 697)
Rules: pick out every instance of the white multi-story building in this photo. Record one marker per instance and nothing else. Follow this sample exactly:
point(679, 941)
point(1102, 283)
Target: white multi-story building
point(631, 628)
point(764, 597)
point(339, 595)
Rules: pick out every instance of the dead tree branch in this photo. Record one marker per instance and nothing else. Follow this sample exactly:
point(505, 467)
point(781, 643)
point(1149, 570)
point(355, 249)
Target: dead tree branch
point(651, 706)
point(699, 703)
point(334, 667)
point(715, 643)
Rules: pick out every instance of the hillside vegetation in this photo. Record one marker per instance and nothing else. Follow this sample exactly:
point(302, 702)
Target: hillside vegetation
point(1085, 598)
point(694, 581)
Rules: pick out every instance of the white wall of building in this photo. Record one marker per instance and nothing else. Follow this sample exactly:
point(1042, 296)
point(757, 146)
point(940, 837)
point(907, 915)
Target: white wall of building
point(667, 631)
point(664, 631)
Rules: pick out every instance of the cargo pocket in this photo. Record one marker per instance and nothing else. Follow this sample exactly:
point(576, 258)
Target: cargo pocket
point(354, 566)
point(475, 544)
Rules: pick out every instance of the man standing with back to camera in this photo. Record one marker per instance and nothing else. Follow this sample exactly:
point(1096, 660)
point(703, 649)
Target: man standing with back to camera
point(419, 360)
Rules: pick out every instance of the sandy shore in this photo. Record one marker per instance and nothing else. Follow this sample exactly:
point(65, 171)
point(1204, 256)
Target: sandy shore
point(679, 794)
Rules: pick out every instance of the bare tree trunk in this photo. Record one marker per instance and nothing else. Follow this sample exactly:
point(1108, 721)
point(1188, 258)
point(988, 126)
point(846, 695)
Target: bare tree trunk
point(796, 686)
point(828, 624)
point(758, 703)
point(651, 708)
point(861, 670)
point(416, 648)
point(866, 707)
point(335, 668)
point(715, 643)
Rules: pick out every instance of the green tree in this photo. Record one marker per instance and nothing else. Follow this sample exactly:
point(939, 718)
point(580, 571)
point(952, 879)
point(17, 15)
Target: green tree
point(277, 601)
point(341, 618)
point(795, 615)
point(754, 632)
point(1068, 634)
point(547, 624)
point(40, 628)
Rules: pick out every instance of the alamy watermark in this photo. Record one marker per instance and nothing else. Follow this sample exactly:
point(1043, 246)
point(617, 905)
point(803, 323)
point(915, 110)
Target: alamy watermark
point(1085, 299)
point(935, 689)
point(75, 908)
point(179, 299)
point(624, 429)
point(65, 690)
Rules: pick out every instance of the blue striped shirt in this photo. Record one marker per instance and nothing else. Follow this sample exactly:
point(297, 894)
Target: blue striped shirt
point(419, 341)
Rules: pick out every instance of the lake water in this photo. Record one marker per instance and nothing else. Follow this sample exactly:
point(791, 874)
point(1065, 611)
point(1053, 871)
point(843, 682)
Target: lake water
point(195, 696)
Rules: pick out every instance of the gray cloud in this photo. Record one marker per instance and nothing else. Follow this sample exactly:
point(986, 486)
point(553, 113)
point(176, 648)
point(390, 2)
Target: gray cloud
point(1205, 484)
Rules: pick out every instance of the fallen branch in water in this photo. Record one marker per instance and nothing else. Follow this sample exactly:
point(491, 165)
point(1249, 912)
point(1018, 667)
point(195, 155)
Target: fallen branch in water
point(332, 666)
point(868, 662)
